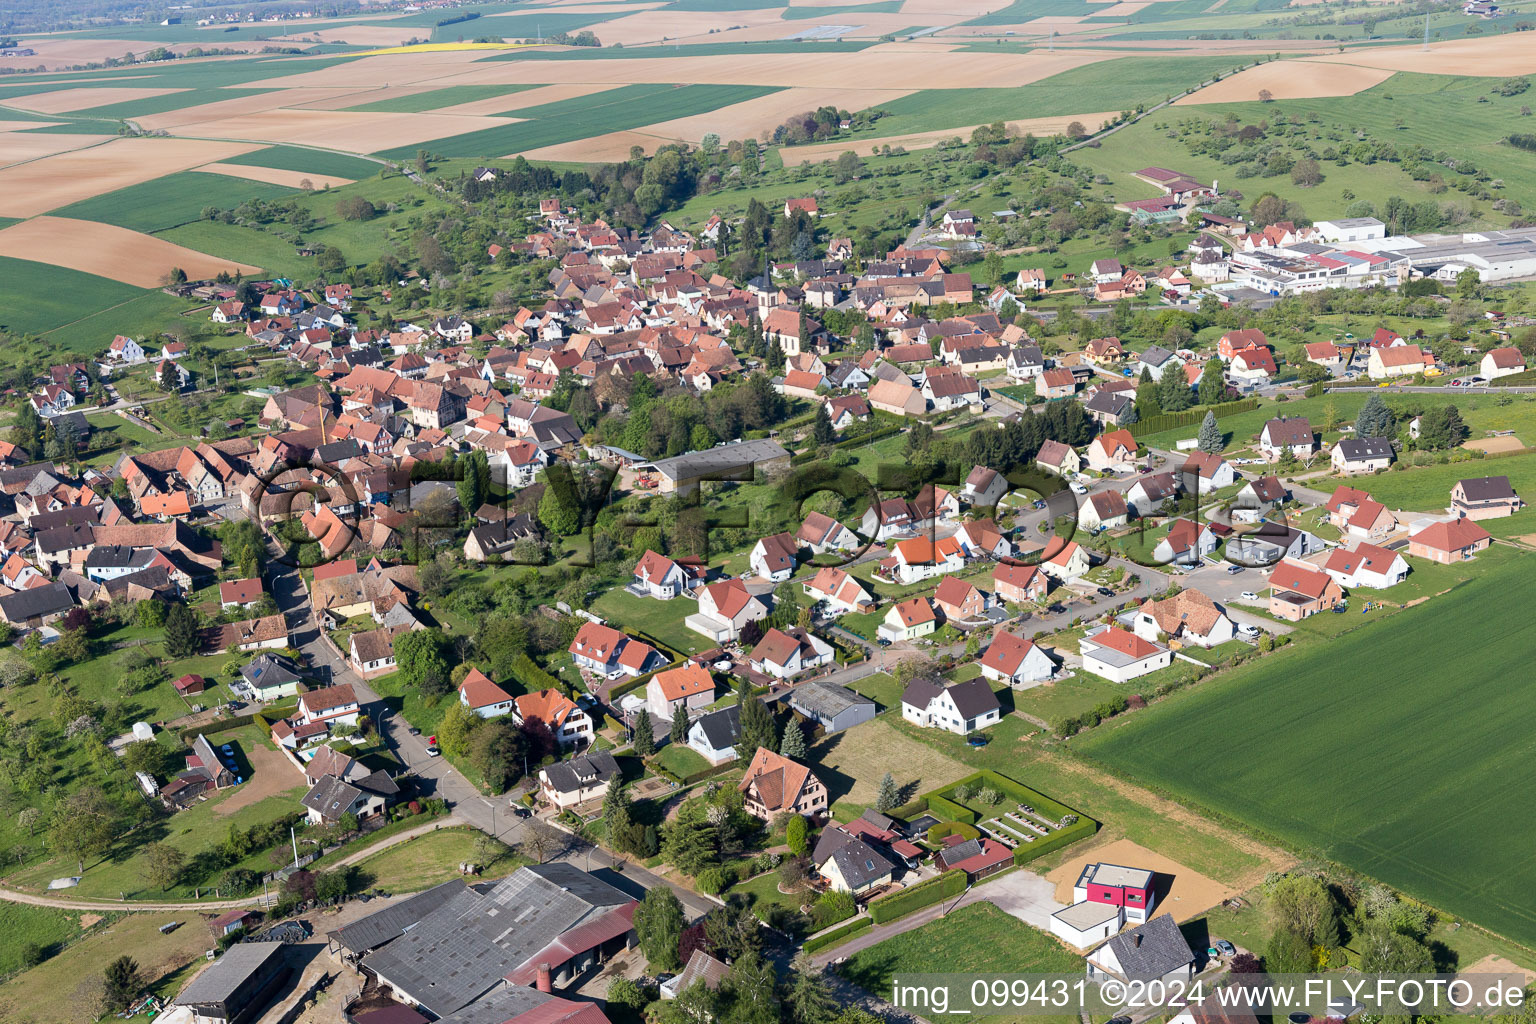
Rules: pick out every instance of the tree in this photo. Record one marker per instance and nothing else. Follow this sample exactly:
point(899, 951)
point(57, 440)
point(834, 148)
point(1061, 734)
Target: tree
point(1442, 428)
point(83, 825)
point(1147, 403)
point(456, 729)
point(888, 795)
point(27, 428)
point(659, 925)
point(170, 377)
point(645, 735)
point(419, 653)
point(1173, 394)
point(499, 751)
point(1213, 385)
point(797, 835)
point(474, 484)
point(163, 864)
point(822, 432)
point(1302, 904)
point(558, 515)
point(1385, 950)
point(751, 986)
point(1075, 130)
point(123, 982)
point(757, 728)
point(617, 817)
point(1210, 437)
point(1306, 173)
point(1288, 953)
point(679, 734)
point(810, 998)
point(1376, 419)
point(538, 840)
point(792, 745)
point(1265, 96)
point(182, 638)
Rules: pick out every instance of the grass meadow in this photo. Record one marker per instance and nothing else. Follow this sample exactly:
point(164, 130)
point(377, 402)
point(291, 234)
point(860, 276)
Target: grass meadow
point(1398, 750)
point(36, 297)
point(170, 201)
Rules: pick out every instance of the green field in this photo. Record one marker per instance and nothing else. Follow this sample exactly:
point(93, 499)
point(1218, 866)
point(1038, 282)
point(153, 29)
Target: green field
point(44, 927)
point(584, 117)
point(174, 199)
point(1111, 86)
point(1400, 749)
point(436, 99)
point(1428, 488)
point(312, 161)
point(36, 297)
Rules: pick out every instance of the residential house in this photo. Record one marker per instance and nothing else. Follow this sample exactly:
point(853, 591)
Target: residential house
point(1293, 434)
point(1057, 458)
point(906, 620)
point(951, 391)
point(1455, 541)
point(566, 721)
point(478, 693)
point(1065, 560)
point(664, 578)
point(897, 397)
point(849, 864)
point(984, 487)
point(372, 653)
point(830, 707)
point(1112, 452)
point(822, 533)
point(774, 558)
point(1325, 354)
point(1233, 342)
point(846, 410)
point(959, 600)
point(1206, 473)
point(332, 798)
point(334, 705)
point(1119, 656)
point(1398, 361)
point(1251, 366)
point(240, 593)
point(790, 652)
point(607, 652)
point(1104, 352)
point(1355, 513)
point(1016, 661)
point(893, 517)
point(920, 558)
point(714, 734)
point(1260, 496)
point(689, 688)
point(725, 607)
point(1025, 362)
point(270, 677)
point(775, 785)
point(1353, 456)
point(1017, 583)
point(1103, 510)
point(983, 538)
point(268, 632)
point(1486, 497)
point(1057, 383)
point(1189, 617)
point(1156, 360)
point(1104, 898)
point(1298, 590)
point(839, 591)
point(960, 708)
point(1366, 565)
point(1501, 362)
point(581, 780)
point(1156, 950)
point(701, 969)
point(1186, 543)
point(976, 858)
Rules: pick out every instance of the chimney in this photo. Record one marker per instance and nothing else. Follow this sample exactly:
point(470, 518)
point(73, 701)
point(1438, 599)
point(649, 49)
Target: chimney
point(544, 984)
point(1136, 939)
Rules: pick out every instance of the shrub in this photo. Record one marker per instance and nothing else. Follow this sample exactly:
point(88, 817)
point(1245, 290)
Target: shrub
point(838, 935)
point(952, 828)
point(832, 907)
point(714, 881)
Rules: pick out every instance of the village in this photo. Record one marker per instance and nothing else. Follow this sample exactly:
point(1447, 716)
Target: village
point(816, 714)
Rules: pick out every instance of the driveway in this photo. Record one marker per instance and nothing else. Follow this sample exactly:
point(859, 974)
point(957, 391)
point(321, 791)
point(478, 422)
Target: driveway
point(1025, 895)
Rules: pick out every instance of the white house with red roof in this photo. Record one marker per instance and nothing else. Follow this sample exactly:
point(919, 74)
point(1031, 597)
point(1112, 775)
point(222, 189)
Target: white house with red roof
point(921, 558)
point(333, 705)
point(1366, 565)
point(1016, 661)
point(1112, 452)
point(567, 722)
point(908, 620)
point(1252, 366)
point(725, 607)
point(125, 350)
point(240, 593)
point(478, 693)
point(607, 652)
point(1501, 362)
point(822, 533)
point(790, 652)
point(663, 578)
point(1104, 510)
point(689, 686)
point(1120, 656)
point(1065, 560)
point(958, 599)
point(775, 558)
point(839, 591)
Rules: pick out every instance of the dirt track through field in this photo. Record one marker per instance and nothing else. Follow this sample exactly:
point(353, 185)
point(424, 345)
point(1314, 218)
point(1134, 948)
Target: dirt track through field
point(794, 156)
point(108, 251)
point(1289, 80)
point(54, 181)
point(276, 175)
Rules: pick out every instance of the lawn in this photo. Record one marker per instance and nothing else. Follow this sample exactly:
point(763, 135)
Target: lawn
point(661, 619)
point(1068, 698)
point(44, 927)
point(976, 939)
point(680, 760)
point(1422, 766)
point(1428, 488)
point(584, 117)
point(432, 858)
point(881, 688)
point(851, 763)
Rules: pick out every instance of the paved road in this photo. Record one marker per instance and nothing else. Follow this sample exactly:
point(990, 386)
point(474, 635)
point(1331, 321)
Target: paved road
point(435, 775)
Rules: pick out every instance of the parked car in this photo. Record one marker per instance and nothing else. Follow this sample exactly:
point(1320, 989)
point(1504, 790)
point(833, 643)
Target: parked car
point(432, 750)
point(1233, 570)
point(1079, 489)
point(1249, 595)
point(1225, 948)
point(1247, 630)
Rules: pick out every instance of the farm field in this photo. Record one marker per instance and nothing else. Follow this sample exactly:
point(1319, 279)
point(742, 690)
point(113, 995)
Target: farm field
point(44, 927)
point(35, 297)
point(436, 99)
point(166, 202)
point(314, 161)
point(1430, 773)
point(110, 251)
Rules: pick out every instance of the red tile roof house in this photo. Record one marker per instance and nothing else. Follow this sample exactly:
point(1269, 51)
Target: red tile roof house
point(690, 686)
point(570, 725)
point(1017, 584)
point(725, 607)
point(1120, 656)
point(1367, 565)
point(478, 693)
point(908, 620)
point(790, 652)
point(1233, 342)
point(958, 599)
point(1298, 590)
point(1501, 362)
point(1486, 497)
point(775, 785)
point(839, 591)
point(1018, 662)
point(239, 593)
point(1190, 617)
point(1455, 541)
point(823, 533)
point(333, 705)
point(607, 652)
point(774, 558)
point(1112, 451)
point(1356, 514)
point(664, 578)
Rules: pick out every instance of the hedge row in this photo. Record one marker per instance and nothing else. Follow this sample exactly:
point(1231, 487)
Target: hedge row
point(947, 809)
point(878, 435)
point(906, 812)
point(1080, 829)
point(953, 828)
point(534, 678)
point(837, 935)
point(227, 724)
point(1189, 417)
point(924, 894)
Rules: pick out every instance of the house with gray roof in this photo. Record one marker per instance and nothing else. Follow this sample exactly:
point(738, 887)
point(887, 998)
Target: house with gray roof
point(714, 735)
point(1157, 360)
point(849, 864)
point(1154, 950)
point(582, 778)
point(830, 706)
point(959, 707)
point(738, 460)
